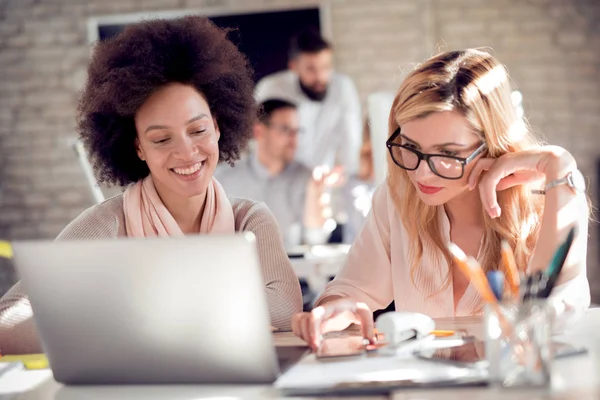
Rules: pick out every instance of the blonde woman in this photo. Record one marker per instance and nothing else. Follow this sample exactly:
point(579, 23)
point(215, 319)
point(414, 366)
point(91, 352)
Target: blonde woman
point(463, 167)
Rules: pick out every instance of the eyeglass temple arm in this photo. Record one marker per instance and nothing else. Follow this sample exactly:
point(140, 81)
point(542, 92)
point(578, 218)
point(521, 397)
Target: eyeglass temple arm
point(477, 152)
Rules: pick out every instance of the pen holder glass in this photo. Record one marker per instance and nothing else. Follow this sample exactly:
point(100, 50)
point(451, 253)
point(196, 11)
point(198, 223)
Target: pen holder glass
point(518, 343)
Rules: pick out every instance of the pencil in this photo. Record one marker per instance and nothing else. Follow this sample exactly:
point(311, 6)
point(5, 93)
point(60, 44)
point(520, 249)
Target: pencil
point(471, 268)
point(510, 268)
point(442, 333)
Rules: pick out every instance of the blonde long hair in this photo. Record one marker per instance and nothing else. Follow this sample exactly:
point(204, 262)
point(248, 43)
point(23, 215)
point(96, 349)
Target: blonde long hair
point(474, 84)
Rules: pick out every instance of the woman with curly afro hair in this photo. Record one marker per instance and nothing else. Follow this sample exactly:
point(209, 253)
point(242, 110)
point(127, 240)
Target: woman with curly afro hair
point(164, 102)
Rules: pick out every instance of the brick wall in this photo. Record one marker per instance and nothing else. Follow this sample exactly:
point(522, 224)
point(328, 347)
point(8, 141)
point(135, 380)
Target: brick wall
point(551, 47)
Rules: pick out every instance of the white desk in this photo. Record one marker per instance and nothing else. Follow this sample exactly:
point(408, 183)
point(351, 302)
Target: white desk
point(573, 378)
point(319, 263)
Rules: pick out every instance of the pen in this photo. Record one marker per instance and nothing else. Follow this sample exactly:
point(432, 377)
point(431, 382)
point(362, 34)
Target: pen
point(510, 267)
point(534, 284)
point(496, 282)
point(561, 254)
point(557, 263)
point(539, 285)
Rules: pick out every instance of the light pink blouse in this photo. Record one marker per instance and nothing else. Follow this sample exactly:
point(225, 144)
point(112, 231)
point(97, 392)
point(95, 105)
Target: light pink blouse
point(377, 271)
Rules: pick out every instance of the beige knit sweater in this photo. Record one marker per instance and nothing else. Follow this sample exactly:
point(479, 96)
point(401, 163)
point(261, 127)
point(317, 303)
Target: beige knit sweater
point(18, 334)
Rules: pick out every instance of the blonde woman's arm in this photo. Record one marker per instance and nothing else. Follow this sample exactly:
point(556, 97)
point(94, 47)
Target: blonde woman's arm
point(366, 275)
point(564, 207)
point(364, 284)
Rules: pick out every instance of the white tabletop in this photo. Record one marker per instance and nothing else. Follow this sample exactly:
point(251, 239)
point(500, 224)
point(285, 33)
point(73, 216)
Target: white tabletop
point(319, 263)
point(572, 378)
point(577, 377)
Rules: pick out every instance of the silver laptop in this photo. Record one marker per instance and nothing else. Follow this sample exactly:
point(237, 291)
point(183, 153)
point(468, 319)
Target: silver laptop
point(184, 310)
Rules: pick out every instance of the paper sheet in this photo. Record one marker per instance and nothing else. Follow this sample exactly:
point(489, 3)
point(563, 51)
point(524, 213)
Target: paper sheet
point(8, 366)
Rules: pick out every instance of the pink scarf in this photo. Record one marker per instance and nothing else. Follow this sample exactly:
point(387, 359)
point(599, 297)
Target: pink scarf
point(147, 216)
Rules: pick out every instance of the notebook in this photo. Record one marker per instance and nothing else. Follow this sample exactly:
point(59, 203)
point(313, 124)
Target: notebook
point(373, 374)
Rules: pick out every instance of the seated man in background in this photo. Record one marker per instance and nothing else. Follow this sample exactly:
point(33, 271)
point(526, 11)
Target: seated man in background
point(269, 174)
point(328, 104)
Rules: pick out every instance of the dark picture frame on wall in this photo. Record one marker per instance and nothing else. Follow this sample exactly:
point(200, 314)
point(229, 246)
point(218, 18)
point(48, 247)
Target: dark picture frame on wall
point(262, 34)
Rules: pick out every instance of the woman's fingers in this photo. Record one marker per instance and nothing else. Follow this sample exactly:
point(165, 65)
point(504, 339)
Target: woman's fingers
point(483, 164)
point(307, 329)
point(312, 326)
point(366, 321)
point(509, 170)
point(487, 185)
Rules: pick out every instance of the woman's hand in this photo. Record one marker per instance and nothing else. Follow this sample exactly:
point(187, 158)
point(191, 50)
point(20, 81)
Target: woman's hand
point(511, 169)
point(332, 316)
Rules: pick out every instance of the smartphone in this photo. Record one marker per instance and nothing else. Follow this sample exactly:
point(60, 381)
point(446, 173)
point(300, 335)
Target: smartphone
point(345, 346)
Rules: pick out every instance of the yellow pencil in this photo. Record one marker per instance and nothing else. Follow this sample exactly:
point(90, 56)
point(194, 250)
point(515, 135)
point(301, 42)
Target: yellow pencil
point(442, 333)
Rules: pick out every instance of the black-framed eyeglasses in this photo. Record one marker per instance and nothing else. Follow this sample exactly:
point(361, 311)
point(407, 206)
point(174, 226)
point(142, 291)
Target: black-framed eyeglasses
point(444, 166)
